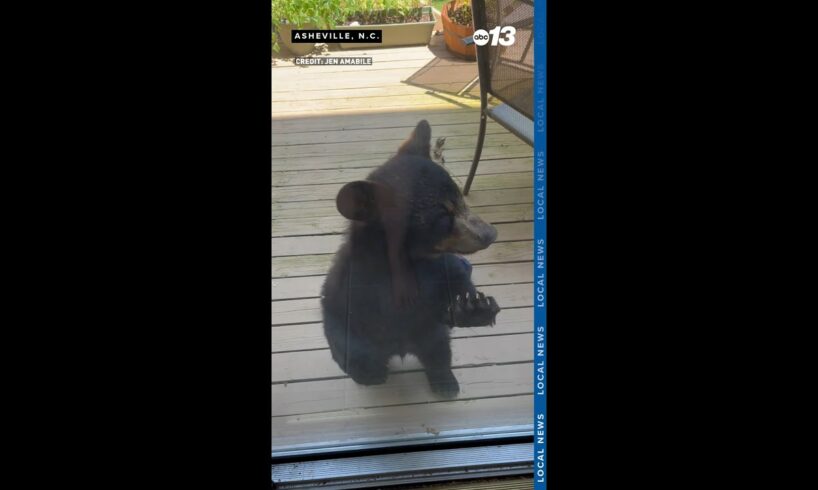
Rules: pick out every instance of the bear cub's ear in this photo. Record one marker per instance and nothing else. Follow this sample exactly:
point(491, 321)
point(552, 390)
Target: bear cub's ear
point(358, 201)
point(419, 142)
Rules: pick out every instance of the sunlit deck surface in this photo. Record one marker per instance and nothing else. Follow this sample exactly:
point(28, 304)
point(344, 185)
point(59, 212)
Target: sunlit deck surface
point(332, 125)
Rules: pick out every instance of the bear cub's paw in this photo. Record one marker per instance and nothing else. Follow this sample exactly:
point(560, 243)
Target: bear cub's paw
point(443, 383)
point(474, 311)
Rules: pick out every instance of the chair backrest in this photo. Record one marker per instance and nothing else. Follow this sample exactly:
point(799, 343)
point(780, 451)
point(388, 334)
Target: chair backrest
point(507, 72)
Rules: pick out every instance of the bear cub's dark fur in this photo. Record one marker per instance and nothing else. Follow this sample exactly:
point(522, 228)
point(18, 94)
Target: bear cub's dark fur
point(398, 283)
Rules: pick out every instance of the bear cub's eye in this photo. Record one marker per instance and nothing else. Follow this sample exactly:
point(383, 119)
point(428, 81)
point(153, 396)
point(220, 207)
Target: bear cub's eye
point(443, 224)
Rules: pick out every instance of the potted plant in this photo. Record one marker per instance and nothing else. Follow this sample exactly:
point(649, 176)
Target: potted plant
point(304, 14)
point(457, 25)
point(402, 22)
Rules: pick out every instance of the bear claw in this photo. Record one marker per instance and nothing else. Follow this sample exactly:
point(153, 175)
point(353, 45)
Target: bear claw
point(474, 311)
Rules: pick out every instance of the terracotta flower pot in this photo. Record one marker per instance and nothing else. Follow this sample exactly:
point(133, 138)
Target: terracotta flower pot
point(454, 34)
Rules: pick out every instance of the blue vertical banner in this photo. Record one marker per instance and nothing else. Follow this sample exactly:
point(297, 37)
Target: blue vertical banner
point(540, 264)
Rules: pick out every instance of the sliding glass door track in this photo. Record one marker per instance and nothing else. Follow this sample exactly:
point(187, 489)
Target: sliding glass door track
point(461, 454)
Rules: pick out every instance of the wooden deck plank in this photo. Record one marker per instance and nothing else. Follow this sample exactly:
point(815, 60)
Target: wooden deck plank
point(510, 180)
point(327, 208)
point(399, 133)
point(491, 152)
point(482, 275)
point(321, 244)
point(404, 388)
point(358, 93)
point(311, 192)
point(340, 113)
point(365, 424)
point(319, 88)
point(303, 151)
point(329, 243)
point(283, 178)
point(391, 102)
point(283, 227)
point(312, 265)
point(309, 310)
point(306, 365)
point(315, 246)
point(477, 200)
point(310, 336)
point(363, 121)
point(392, 70)
point(289, 246)
point(283, 149)
point(422, 109)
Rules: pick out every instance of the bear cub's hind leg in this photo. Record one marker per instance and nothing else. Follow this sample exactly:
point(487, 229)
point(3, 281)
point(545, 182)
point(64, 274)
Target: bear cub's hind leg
point(360, 359)
point(436, 357)
point(368, 369)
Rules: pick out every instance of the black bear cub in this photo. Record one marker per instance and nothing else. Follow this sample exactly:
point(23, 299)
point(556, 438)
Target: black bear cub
point(397, 285)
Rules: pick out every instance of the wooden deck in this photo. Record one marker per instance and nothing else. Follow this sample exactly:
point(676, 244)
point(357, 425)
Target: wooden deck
point(332, 125)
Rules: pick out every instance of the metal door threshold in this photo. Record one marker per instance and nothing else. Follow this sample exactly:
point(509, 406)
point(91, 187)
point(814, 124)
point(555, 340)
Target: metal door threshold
point(487, 435)
point(406, 467)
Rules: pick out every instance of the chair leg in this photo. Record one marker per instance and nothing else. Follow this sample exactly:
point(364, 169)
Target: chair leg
point(477, 153)
point(469, 85)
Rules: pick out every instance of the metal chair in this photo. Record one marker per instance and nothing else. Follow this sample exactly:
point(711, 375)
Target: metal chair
point(505, 72)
